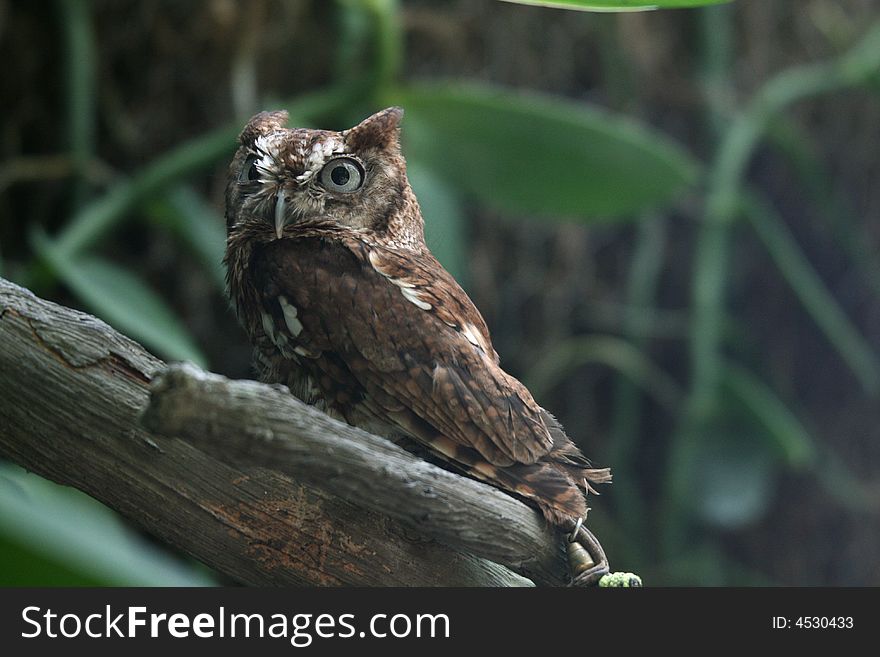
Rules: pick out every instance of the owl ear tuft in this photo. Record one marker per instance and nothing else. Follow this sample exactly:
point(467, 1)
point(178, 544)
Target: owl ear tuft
point(262, 124)
point(381, 130)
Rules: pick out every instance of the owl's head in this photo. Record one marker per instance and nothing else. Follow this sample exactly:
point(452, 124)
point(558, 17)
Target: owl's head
point(282, 178)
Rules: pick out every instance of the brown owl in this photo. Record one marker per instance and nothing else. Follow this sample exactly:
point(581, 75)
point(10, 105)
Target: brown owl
point(328, 270)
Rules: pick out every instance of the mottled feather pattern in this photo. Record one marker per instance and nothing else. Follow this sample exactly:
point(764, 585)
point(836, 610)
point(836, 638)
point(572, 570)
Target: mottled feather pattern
point(345, 304)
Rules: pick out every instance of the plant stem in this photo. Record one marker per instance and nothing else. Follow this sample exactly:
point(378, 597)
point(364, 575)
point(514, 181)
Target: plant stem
point(389, 45)
point(642, 285)
point(76, 21)
point(716, 48)
point(708, 279)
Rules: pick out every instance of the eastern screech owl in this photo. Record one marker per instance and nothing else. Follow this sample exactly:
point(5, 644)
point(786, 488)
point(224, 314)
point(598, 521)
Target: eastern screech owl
point(330, 275)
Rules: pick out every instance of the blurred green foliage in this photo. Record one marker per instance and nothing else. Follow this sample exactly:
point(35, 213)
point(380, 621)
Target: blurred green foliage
point(619, 5)
point(55, 536)
point(732, 435)
point(582, 162)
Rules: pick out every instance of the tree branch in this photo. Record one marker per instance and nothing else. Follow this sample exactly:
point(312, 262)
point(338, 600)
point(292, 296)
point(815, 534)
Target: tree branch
point(253, 424)
point(262, 488)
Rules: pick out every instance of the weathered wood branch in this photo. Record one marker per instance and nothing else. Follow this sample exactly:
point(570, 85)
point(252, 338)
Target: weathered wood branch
point(249, 423)
point(243, 476)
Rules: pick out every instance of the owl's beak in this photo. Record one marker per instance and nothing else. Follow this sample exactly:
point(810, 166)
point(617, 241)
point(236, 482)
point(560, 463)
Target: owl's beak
point(280, 216)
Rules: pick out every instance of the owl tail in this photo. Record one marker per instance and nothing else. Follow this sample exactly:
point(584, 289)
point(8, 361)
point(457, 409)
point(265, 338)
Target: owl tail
point(557, 484)
point(563, 477)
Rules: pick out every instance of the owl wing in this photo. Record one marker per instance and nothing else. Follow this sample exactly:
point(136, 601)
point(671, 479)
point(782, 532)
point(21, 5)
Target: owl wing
point(402, 327)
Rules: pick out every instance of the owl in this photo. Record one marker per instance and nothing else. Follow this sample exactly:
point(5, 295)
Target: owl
point(329, 273)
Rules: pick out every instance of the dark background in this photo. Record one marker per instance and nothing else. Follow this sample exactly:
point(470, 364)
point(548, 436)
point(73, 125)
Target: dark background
point(766, 476)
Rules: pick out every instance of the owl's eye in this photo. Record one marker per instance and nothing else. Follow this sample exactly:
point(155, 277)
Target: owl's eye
point(249, 172)
point(343, 174)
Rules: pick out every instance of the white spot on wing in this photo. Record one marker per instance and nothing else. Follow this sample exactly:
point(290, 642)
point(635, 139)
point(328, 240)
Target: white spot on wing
point(408, 289)
point(290, 316)
point(474, 336)
point(413, 295)
point(268, 324)
point(436, 374)
point(269, 327)
point(376, 261)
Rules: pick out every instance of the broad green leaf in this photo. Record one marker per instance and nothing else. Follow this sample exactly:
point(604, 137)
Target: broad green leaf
point(534, 154)
point(197, 224)
point(122, 300)
point(56, 536)
point(618, 5)
point(444, 219)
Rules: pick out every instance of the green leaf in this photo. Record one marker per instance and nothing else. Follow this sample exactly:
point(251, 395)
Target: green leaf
point(568, 355)
point(533, 154)
point(444, 219)
point(122, 300)
point(858, 353)
point(617, 5)
point(789, 436)
point(55, 536)
point(95, 219)
point(197, 224)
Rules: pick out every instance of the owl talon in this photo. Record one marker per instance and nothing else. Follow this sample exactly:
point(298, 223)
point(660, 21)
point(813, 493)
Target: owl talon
point(586, 558)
